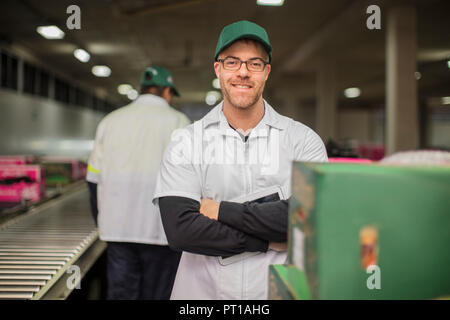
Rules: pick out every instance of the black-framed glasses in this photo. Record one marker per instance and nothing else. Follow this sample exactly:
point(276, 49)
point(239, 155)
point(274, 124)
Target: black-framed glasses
point(233, 64)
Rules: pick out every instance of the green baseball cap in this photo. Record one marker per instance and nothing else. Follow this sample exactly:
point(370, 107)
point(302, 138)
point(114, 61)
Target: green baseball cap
point(158, 76)
point(243, 30)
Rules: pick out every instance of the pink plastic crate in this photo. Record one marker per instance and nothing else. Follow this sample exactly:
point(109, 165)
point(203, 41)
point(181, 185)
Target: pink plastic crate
point(17, 191)
point(83, 169)
point(372, 152)
point(20, 191)
point(349, 160)
point(16, 160)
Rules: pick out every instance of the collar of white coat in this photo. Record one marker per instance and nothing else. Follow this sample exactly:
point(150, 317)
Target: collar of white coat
point(271, 118)
point(149, 98)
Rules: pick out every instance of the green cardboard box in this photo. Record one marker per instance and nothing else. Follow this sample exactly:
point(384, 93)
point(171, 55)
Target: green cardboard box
point(370, 231)
point(287, 282)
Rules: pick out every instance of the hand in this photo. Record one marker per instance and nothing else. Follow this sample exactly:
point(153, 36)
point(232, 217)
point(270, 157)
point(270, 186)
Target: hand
point(209, 208)
point(278, 246)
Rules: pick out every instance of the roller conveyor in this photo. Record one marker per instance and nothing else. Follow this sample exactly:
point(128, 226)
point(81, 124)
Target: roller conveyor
point(38, 248)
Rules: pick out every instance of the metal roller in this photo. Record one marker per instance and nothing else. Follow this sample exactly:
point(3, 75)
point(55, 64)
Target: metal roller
point(12, 282)
point(12, 295)
point(34, 277)
point(37, 249)
point(25, 258)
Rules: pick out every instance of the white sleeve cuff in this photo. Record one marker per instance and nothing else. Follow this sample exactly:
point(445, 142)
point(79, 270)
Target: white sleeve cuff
point(92, 177)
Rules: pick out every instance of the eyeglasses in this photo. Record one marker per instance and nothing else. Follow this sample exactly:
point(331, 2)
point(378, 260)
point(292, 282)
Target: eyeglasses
point(233, 64)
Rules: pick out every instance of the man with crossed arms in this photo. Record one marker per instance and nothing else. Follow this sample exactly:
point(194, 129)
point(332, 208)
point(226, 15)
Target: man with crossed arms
point(237, 129)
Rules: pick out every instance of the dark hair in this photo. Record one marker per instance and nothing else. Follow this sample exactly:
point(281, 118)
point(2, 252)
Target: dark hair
point(157, 90)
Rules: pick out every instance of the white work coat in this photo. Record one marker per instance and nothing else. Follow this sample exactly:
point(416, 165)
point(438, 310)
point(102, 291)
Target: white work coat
point(208, 159)
point(129, 145)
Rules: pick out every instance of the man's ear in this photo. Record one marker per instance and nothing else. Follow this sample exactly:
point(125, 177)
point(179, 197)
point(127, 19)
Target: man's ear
point(216, 68)
point(167, 94)
point(268, 68)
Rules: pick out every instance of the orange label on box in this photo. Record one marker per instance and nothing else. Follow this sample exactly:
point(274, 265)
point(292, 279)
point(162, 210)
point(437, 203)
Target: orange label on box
point(368, 237)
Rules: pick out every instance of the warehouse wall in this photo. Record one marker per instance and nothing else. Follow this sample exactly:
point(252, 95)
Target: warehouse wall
point(355, 124)
point(439, 133)
point(34, 125)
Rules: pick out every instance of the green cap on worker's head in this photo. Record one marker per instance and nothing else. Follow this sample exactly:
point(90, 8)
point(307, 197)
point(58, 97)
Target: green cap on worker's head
point(243, 30)
point(158, 76)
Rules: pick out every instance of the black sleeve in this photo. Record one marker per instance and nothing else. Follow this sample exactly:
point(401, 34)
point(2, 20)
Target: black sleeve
point(188, 230)
point(93, 199)
point(268, 221)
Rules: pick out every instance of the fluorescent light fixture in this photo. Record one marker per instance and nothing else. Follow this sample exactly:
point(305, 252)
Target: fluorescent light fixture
point(417, 75)
point(216, 83)
point(352, 92)
point(270, 2)
point(101, 71)
point(124, 88)
point(212, 97)
point(50, 32)
point(82, 55)
point(445, 100)
point(448, 64)
point(132, 94)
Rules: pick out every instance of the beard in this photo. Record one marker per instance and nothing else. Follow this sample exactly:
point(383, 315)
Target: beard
point(242, 101)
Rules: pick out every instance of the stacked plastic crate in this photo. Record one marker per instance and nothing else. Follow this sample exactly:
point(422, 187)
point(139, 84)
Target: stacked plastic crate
point(20, 179)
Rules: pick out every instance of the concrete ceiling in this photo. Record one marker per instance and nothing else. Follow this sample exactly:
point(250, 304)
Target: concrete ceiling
point(129, 35)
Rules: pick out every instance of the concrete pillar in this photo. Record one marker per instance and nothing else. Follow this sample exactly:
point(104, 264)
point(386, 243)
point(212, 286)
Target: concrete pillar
point(51, 87)
point(402, 129)
point(307, 115)
point(327, 98)
point(290, 106)
point(20, 76)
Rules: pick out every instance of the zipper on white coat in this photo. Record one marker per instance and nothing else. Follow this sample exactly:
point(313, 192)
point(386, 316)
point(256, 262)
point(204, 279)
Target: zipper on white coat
point(247, 170)
point(248, 184)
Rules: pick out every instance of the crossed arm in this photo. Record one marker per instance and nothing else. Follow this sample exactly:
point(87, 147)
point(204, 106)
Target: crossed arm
point(263, 220)
point(225, 228)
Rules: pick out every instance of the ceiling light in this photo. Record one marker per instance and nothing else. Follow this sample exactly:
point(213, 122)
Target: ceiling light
point(124, 88)
point(101, 71)
point(445, 100)
point(270, 2)
point(448, 64)
point(417, 75)
point(352, 92)
point(132, 94)
point(82, 55)
point(216, 83)
point(212, 97)
point(50, 32)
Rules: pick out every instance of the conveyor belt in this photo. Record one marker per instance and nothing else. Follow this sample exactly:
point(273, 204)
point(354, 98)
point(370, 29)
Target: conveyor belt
point(37, 249)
